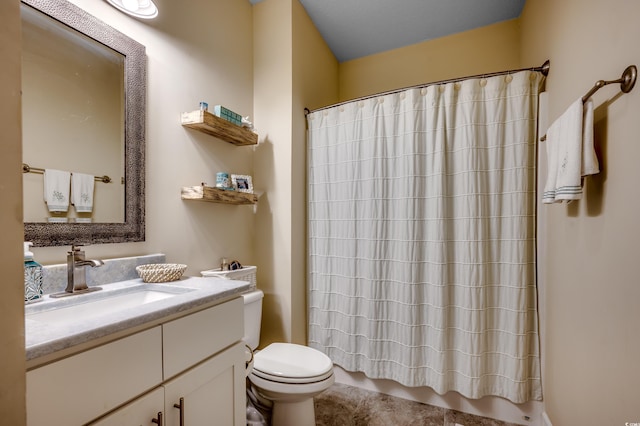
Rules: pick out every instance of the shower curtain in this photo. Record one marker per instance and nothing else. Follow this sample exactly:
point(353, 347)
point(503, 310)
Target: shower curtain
point(422, 236)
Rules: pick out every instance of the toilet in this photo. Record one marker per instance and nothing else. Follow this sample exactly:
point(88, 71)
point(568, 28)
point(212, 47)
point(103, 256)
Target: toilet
point(284, 375)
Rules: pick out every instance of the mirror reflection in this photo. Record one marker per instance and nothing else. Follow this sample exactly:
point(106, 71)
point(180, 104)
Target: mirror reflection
point(73, 121)
point(84, 107)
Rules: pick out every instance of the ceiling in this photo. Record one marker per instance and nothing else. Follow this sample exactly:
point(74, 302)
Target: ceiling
point(357, 28)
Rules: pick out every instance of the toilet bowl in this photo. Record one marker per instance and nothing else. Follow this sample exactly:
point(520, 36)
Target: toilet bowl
point(285, 376)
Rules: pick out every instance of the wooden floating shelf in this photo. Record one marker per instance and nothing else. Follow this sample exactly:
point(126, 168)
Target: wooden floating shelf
point(216, 195)
point(213, 125)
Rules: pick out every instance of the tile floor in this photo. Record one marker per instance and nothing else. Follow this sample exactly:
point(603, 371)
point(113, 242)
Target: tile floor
point(343, 405)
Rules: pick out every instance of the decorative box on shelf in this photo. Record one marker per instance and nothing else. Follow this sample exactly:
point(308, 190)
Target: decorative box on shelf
point(227, 114)
point(217, 195)
point(209, 123)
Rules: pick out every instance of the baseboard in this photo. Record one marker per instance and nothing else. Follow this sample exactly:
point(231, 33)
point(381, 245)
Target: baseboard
point(545, 419)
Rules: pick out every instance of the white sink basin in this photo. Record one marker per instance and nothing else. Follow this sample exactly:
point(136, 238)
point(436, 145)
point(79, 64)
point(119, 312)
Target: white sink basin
point(93, 305)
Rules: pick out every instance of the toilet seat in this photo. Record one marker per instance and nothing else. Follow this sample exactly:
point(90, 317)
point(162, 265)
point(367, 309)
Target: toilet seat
point(291, 380)
point(292, 363)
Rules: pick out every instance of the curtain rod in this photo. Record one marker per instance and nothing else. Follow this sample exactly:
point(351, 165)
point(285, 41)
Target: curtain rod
point(543, 69)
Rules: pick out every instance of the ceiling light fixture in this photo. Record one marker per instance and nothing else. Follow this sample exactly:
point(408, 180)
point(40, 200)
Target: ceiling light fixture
point(144, 9)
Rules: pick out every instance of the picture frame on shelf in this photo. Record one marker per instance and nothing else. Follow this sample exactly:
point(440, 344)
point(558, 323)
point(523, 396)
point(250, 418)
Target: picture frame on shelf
point(242, 183)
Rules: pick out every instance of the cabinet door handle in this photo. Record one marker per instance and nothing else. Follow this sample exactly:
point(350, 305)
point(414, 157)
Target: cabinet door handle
point(181, 408)
point(158, 420)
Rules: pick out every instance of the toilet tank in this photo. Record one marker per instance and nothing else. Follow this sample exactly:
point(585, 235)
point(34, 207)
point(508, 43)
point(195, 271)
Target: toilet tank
point(252, 317)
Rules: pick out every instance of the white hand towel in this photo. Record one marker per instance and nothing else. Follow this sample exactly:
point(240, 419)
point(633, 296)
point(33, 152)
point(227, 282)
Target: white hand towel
point(570, 153)
point(590, 165)
point(82, 192)
point(56, 190)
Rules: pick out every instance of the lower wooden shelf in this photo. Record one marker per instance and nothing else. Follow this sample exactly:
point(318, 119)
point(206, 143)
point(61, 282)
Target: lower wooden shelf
point(216, 195)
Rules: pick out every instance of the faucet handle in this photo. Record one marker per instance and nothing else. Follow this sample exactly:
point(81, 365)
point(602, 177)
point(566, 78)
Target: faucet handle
point(76, 252)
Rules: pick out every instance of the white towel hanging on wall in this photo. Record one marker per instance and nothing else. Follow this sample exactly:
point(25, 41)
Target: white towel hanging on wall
point(56, 190)
point(570, 153)
point(82, 186)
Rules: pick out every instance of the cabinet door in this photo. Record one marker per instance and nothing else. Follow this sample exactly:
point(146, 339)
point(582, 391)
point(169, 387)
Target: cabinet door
point(213, 392)
point(140, 412)
point(85, 386)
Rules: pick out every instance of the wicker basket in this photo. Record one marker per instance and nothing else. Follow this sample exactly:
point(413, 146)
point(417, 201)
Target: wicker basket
point(161, 272)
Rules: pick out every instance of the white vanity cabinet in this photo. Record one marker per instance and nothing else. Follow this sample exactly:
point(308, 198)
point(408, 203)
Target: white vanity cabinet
point(195, 362)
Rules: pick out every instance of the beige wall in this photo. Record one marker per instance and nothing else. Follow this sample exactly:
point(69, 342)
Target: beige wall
point(293, 68)
point(273, 109)
point(12, 354)
point(591, 340)
point(189, 59)
point(483, 50)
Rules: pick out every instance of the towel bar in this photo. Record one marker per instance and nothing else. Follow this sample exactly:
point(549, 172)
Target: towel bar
point(28, 169)
point(627, 82)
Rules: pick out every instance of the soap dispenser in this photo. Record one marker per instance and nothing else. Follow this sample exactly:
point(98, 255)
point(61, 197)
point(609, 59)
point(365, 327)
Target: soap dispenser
point(32, 276)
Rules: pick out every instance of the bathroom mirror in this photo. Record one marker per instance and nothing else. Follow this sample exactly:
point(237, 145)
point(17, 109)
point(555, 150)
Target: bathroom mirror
point(98, 129)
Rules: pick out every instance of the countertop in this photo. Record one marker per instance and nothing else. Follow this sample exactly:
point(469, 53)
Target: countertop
point(47, 337)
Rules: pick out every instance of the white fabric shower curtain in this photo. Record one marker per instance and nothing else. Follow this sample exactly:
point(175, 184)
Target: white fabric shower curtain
point(422, 236)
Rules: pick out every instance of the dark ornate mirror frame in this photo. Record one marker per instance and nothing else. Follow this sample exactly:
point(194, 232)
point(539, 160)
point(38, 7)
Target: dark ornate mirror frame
point(133, 227)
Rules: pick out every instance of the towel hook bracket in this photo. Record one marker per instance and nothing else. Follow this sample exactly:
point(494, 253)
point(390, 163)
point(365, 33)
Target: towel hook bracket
point(628, 79)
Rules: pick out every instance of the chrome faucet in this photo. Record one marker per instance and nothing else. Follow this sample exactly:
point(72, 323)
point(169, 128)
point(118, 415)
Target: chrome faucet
point(76, 273)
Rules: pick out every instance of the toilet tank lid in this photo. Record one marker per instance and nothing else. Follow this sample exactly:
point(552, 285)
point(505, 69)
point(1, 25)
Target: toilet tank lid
point(252, 296)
